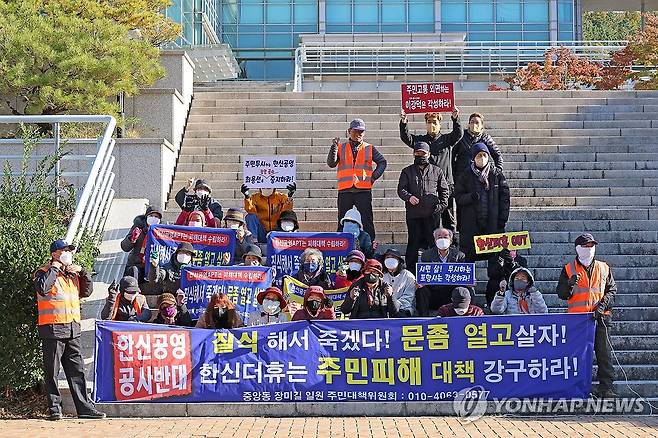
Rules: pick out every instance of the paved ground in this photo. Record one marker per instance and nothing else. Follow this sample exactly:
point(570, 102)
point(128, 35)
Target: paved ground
point(593, 426)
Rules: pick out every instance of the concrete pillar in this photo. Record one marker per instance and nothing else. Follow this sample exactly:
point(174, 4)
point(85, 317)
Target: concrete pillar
point(552, 21)
point(437, 16)
point(578, 19)
point(322, 21)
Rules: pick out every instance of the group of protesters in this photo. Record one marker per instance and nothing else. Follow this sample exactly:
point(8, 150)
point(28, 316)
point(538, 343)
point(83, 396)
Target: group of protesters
point(454, 190)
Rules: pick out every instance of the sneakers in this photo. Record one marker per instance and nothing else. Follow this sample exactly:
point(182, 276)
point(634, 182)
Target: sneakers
point(92, 415)
point(54, 416)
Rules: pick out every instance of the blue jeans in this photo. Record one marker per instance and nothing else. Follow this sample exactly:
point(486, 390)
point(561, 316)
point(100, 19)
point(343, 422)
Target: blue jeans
point(256, 227)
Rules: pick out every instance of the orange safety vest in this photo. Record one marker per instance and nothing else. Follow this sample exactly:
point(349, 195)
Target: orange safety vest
point(354, 173)
point(588, 292)
point(61, 304)
point(137, 306)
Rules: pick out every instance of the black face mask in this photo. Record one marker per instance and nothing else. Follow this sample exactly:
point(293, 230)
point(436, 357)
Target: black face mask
point(218, 312)
point(421, 161)
point(313, 305)
point(371, 278)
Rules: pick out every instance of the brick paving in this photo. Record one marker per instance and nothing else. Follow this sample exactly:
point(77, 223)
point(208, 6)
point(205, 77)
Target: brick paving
point(376, 427)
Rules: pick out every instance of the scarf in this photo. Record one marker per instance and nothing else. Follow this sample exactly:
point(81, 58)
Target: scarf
point(523, 303)
point(483, 175)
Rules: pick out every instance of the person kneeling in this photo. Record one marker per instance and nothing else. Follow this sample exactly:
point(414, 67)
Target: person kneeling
point(521, 298)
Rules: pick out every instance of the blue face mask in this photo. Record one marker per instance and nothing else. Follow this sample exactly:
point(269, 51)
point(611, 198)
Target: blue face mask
point(311, 267)
point(352, 228)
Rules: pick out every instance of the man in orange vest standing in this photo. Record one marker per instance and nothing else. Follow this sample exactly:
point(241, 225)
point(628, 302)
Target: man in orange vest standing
point(59, 285)
point(355, 174)
point(588, 286)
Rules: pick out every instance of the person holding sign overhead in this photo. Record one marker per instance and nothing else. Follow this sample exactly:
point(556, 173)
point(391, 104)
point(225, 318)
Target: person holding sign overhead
point(483, 197)
point(354, 160)
point(196, 196)
point(440, 150)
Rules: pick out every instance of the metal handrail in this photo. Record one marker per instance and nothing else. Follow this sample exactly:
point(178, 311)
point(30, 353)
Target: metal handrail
point(97, 193)
point(427, 59)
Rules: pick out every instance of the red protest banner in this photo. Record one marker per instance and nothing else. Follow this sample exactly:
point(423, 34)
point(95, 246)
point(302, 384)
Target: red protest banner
point(428, 97)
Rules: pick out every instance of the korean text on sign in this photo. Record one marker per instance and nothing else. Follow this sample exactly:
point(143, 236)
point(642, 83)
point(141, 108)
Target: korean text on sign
point(272, 171)
point(428, 97)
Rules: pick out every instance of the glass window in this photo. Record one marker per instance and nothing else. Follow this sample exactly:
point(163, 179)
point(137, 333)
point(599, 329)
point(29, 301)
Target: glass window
point(338, 12)
point(278, 13)
point(566, 36)
point(229, 13)
point(509, 27)
point(421, 12)
point(480, 11)
point(393, 13)
point(278, 40)
point(255, 69)
point(339, 28)
point(452, 12)
point(251, 13)
point(535, 12)
point(481, 36)
point(250, 41)
point(536, 36)
point(279, 69)
point(565, 12)
point(508, 11)
point(306, 13)
point(394, 28)
point(364, 12)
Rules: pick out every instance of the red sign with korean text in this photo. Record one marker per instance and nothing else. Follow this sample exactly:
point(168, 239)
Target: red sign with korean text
point(431, 97)
point(152, 364)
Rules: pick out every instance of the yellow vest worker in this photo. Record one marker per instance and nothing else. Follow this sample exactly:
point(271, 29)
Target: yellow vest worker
point(59, 286)
point(588, 286)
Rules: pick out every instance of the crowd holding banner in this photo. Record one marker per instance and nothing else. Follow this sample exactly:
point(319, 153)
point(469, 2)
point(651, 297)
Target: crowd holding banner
point(402, 360)
point(266, 328)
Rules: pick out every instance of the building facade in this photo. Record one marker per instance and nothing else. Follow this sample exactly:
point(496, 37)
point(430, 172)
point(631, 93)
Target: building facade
point(264, 33)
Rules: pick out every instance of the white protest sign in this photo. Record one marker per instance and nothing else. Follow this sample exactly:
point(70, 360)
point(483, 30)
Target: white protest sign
point(269, 171)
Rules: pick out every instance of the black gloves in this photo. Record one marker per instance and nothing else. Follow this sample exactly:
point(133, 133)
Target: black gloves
point(573, 280)
point(328, 302)
point(475, 196)
point(245, 190)
point(190, 203)
point(292, 188)
point(599, 312)
point(204, 202)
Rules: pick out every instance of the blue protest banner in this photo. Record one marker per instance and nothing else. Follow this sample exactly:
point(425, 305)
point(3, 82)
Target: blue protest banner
point(284, 249)
point(422, 359)
point(446, 274)
point(213, 246)
point(240, 283)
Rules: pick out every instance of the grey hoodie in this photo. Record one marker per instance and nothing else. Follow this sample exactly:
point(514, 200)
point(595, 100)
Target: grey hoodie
point(508, 304)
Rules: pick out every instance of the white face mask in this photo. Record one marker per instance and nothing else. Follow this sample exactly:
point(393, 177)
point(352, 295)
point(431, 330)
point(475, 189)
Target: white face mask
point(355, 266)
point(480, 162)
point(183, 258)
point(271, 307)
point(266, 192)
point(585, 255)
point(443, 243)
point(201, 193)
point(287, 225)
point(460, 311)
point(66, 258)
point(130, 296)
point(152, 220)
point(391, 263)
point(254, 263)
point(233, 225)
point(195, 224)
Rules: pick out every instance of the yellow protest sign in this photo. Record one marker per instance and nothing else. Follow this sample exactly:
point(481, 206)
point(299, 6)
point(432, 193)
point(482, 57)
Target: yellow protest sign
point(497, 242)
point(295, 290)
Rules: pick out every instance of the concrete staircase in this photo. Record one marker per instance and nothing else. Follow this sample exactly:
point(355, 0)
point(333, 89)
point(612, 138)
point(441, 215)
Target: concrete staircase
point(575, 161)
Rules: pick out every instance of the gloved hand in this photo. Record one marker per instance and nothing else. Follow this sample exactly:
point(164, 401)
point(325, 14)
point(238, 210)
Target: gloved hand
point(245, 190)
point(292, 188)
point(501, 288)
point(599, 312)
point(204, 202)
point(113, 290)
point(573, 280)
point(475, 196)
point(154, 258)
point(134, 234)
point(190, 203)
point(328, 302)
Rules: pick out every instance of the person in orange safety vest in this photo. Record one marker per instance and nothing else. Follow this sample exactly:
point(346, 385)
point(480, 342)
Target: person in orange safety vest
point(588, 286)
point(59, 285)
point(353, 161)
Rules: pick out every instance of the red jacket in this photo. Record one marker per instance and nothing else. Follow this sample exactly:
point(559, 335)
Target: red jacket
point(207, 214)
